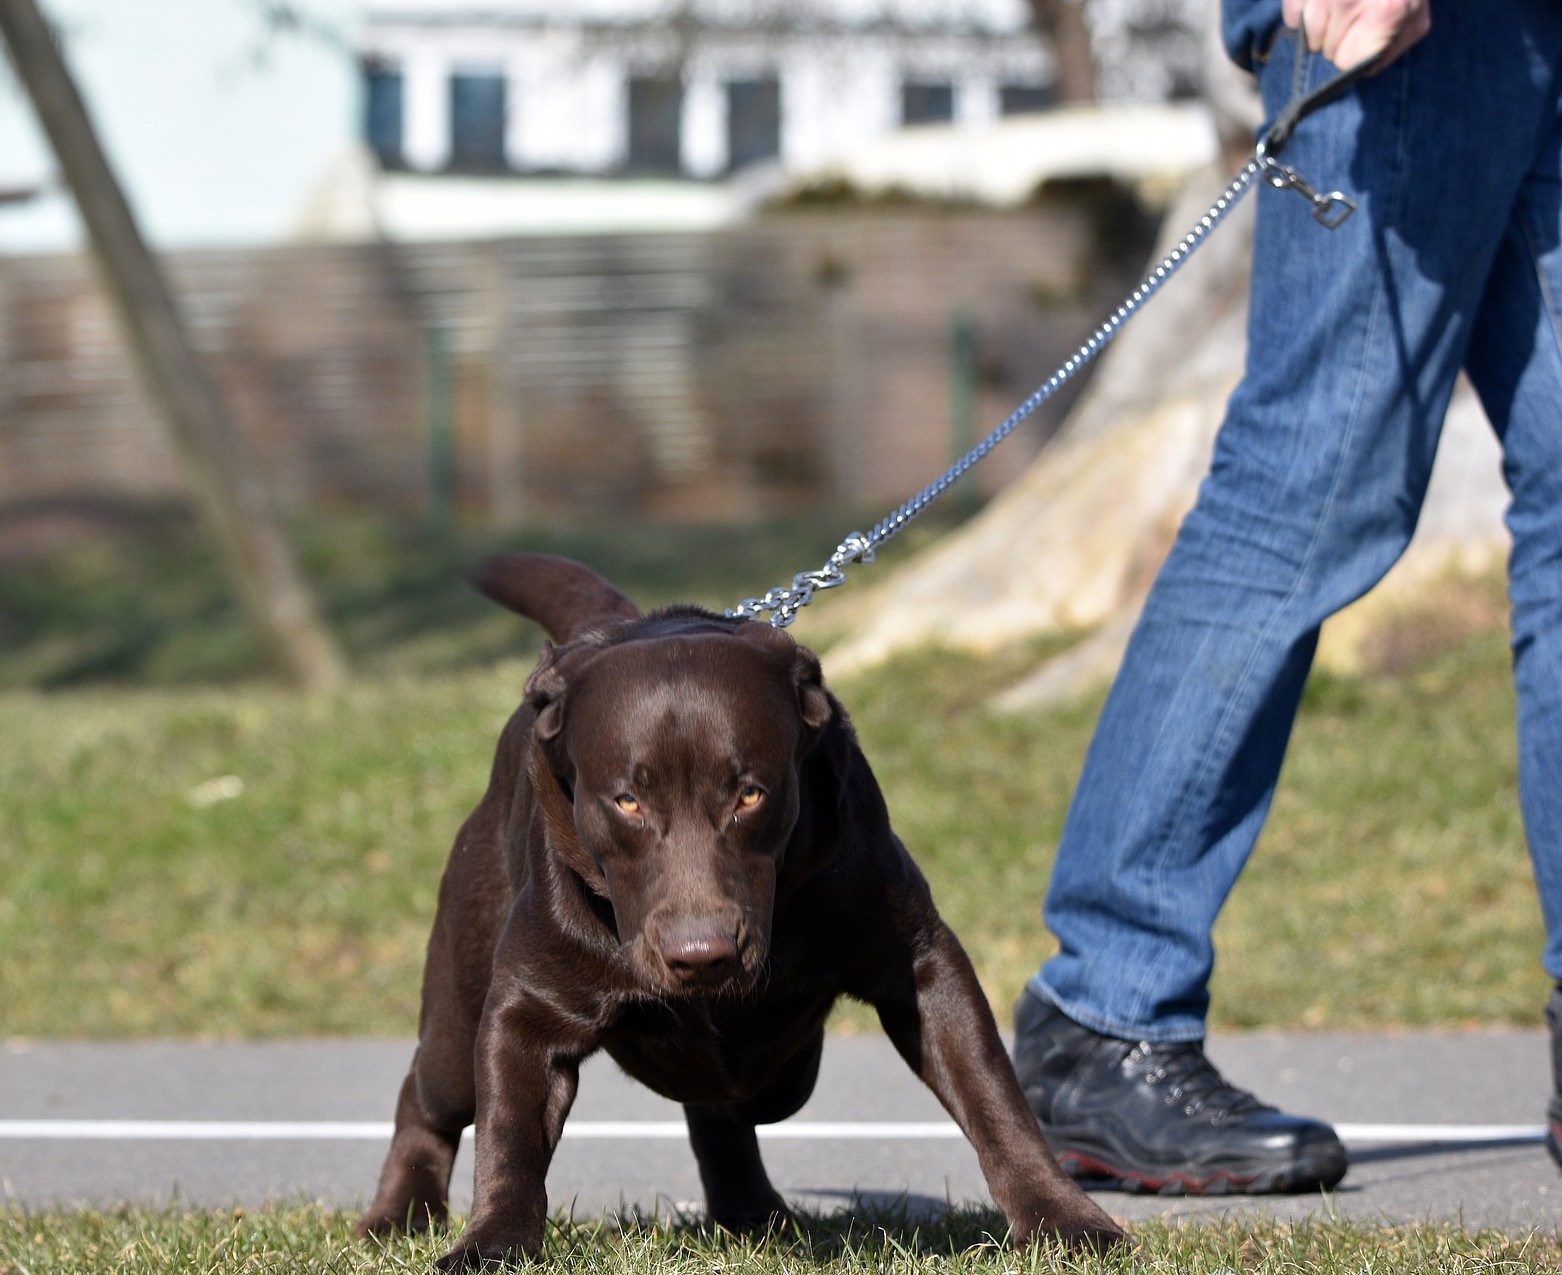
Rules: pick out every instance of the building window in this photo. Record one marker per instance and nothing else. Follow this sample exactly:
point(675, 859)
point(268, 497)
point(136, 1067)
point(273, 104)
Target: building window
point(655, 125)
point(477, 121)
point(1026, 99)
point(753, 121)
point(922, 103)
point(382, 111)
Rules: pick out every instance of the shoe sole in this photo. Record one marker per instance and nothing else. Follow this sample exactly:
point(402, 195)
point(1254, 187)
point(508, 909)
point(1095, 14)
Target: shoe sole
point(1319, 1171)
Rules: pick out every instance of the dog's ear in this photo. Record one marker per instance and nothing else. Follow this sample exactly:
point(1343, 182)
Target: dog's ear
point(545, 695)
point(547, 692)
point(813, 701)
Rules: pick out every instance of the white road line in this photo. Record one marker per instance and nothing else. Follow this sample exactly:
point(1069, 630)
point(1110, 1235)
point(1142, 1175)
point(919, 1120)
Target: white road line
point(380, 1131)
point(804, 1130)
point(197, 1130)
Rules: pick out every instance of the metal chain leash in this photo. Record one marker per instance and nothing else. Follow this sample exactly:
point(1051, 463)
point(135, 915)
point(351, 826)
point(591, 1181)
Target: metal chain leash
point(1329, 210)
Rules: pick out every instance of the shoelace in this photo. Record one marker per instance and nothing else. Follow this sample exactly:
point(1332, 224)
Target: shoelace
point(1192, 1081)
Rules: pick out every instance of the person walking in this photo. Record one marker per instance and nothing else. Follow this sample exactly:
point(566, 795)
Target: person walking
point(1452, 148)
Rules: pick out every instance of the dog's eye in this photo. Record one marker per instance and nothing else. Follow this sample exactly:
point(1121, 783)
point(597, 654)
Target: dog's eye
point(750, 795)
point(627, 803)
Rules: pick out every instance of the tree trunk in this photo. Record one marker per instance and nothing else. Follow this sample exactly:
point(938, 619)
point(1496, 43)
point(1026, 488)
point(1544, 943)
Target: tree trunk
point(224, 481)
point(1063, 23)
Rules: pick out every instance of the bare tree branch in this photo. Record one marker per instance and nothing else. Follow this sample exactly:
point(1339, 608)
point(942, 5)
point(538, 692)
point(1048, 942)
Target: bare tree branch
point(1063, 23)
point(224, 481)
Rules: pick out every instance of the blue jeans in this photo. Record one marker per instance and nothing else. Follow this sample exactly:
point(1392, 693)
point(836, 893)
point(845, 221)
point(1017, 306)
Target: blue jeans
point(1321, 465)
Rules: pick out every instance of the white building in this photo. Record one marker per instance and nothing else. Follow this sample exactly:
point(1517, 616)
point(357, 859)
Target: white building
point(689, 88)
point(227, 134)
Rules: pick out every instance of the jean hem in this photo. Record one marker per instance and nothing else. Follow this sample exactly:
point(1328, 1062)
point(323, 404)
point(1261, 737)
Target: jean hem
point(1171, 1033)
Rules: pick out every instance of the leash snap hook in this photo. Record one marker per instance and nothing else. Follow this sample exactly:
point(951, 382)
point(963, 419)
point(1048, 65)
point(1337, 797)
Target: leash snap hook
point(1330, 210)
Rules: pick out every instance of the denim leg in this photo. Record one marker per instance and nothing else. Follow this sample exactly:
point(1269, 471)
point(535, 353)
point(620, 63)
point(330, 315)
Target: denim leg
point(1320, 468)
point(1515, 363)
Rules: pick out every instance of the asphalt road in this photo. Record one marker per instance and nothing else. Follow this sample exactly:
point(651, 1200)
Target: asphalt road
point(1440, 1126)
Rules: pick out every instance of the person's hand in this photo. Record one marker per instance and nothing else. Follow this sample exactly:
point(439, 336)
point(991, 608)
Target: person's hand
point(1350, 32)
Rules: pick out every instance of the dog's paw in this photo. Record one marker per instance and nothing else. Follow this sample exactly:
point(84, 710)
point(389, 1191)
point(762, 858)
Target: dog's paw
point(484, 1249)
point(415, 1218)
point(1097, 1239)
point(755, 1221)
point(473, 1257)
point(1092, 1232)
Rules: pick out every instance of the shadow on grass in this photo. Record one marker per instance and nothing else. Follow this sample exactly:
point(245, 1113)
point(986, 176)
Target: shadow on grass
point(102, 592)
point(867, 1225)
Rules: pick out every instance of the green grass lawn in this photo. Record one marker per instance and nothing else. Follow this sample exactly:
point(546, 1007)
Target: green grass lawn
point(303, 1238)
point(187, 850)
point(236, 860)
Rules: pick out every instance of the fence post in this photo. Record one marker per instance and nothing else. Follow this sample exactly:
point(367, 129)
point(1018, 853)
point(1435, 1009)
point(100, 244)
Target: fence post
point(441, 436)
point(962, 398)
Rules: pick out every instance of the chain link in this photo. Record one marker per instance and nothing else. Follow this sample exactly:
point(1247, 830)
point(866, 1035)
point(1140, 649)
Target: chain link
point(785, 601)
point(1329, 210)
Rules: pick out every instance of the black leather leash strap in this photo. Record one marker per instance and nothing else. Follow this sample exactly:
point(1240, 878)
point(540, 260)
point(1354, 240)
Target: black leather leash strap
point(1329, 208)
point(1302, 105)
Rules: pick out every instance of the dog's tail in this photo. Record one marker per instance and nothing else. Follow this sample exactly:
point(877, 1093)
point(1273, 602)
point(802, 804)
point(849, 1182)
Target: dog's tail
point(564, 597)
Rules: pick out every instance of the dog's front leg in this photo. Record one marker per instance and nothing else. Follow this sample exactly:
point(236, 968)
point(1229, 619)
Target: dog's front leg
point(940, 1022)
point(525, 1085)
point(738, 1193)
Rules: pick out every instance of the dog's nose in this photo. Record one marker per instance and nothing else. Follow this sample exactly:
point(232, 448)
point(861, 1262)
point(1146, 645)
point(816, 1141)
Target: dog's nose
point(699, 952)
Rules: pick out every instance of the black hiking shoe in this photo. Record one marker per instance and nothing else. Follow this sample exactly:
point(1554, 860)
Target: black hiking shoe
point(1160, 1119)
point(1554, 1108)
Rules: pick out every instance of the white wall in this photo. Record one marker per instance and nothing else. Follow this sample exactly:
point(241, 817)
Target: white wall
point(996, 15)
point(569, 102)
point(566, 105)
point(222, 133)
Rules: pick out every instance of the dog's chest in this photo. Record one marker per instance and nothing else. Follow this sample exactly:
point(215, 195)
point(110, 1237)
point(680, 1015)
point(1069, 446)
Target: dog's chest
point(700, 1053)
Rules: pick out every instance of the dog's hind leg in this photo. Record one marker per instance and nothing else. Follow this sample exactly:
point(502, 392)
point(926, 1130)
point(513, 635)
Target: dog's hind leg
point(415, 1182)
point(437, 1101)
point(738, 1194)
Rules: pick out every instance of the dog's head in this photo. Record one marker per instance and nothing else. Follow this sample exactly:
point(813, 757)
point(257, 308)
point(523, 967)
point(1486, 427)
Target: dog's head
point(679, 740)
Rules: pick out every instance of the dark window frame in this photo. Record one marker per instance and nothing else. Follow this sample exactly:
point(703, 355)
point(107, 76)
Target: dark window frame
point(655, 125)
point(753, 120)
point(927, 102)
point(479, 98)
point(385, 111)
point(1026, 99)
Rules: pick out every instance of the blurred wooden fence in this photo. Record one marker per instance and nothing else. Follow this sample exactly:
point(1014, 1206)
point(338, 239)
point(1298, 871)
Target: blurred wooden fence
point(797, 360)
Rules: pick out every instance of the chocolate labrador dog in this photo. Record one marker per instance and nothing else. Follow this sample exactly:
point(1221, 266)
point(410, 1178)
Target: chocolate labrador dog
point(681, 858)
